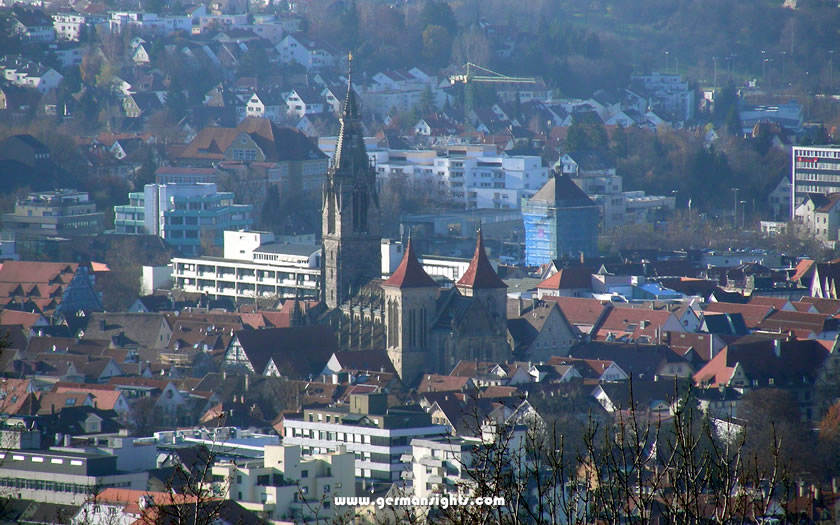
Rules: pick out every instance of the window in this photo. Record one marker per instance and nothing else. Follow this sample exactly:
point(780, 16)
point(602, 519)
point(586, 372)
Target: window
point(304, 473)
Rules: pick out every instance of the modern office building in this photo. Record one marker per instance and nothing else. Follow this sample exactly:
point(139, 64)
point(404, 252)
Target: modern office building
point(62, 477)
point(559, 220)
point(254, 265)
point(378, 436)
point(59, 213)
point(183, 214)
point(814, 169)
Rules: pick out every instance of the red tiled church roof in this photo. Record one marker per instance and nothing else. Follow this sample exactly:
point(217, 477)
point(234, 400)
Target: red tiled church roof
point(480, 273)
point(410, 273)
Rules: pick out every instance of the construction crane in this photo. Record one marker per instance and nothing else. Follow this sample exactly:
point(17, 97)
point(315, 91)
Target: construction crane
point(490, 77)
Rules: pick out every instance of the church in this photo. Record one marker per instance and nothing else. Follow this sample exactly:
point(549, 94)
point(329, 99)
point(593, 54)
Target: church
point(423, 328)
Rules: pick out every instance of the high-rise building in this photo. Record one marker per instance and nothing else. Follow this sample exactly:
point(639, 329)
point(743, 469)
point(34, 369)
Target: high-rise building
point(351, 213)
point(814, 169)
point(183, 214)
point(559, 220)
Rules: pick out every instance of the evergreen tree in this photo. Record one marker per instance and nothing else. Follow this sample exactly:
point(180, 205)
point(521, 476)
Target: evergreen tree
point(270, 216)
point(176, 101)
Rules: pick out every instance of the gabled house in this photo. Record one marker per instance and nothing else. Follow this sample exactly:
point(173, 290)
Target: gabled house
point(264, 104)
point(304, 101)
point(482, 373)
point(583, 314)
point(306, 51)
point(636, 325)
point(141, 104)
point(642, 361)
point(538, 330)
point(647, 396)
point(31, 25)
point(295, 352)
point(601, 370)
point(824, 282)
point(795, 366)
point(568, 282)
point(140, 55)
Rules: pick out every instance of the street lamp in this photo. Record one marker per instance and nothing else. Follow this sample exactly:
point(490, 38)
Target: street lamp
point(830, 71)
point(743, 214)
point(735, 208)
point(666, 61)
point(715, 59)
point(675, 192)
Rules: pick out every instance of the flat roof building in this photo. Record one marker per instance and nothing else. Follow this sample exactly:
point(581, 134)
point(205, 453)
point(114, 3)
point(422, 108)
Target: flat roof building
point(378, 436)
point(254, 265)
point(59, 213)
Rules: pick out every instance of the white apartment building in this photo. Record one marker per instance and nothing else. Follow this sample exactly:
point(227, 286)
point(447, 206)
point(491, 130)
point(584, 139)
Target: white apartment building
point(254, 265)
point(815, 169)
point(438, 466)
point(148, 23)
point(284, 486)
point(68, 24)
point(668, 94)
point(496, 181)
point(472, 174)
point(378, 436)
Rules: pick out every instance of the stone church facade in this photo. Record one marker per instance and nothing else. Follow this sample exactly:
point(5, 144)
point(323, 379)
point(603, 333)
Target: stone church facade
point(423, 328)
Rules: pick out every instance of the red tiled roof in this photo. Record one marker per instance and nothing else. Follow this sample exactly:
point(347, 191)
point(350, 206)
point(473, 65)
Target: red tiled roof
point(579, 311)
point(410, 273)
point(441, 383)
point(803, 268)
point(628, 321)
point(783, 321)
point(753, 314)
point(16, 317)
point(776, 302)
point(480, 274)
point(821, 305)
point(568, 278)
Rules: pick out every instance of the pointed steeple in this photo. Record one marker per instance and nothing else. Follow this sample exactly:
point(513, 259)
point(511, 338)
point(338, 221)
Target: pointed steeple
point(480, 273)
point(350, 149)
point(410, 273)
point(350, 109)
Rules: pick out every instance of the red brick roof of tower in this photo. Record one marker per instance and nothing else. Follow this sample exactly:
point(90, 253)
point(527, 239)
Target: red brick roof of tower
point(480, 273)
point(410, 273)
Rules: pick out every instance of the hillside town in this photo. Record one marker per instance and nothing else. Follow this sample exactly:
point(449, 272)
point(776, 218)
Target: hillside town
point(272, 262)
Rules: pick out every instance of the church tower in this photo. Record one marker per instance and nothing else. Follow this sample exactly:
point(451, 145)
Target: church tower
point(410, 308)
point(350, 235)
point(481, 282)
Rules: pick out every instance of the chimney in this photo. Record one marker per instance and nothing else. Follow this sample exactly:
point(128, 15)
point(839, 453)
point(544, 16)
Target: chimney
point(224, 374)
point(102, 324)
point(67, 441)
point(519, 306)
point(52, 408)
point(777, 348)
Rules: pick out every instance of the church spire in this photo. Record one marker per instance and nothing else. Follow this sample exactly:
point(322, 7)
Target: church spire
point(351, 107)
point(350, 150)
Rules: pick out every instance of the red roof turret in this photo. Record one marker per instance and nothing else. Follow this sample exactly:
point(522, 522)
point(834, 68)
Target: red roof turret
point(410, 273)
point(480, 273)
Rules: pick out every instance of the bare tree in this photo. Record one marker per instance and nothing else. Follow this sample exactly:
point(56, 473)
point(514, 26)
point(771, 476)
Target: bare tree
point(639, 467)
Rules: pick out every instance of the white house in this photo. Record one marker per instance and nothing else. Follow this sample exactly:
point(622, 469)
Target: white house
point(304, 101)
point(307, 52)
